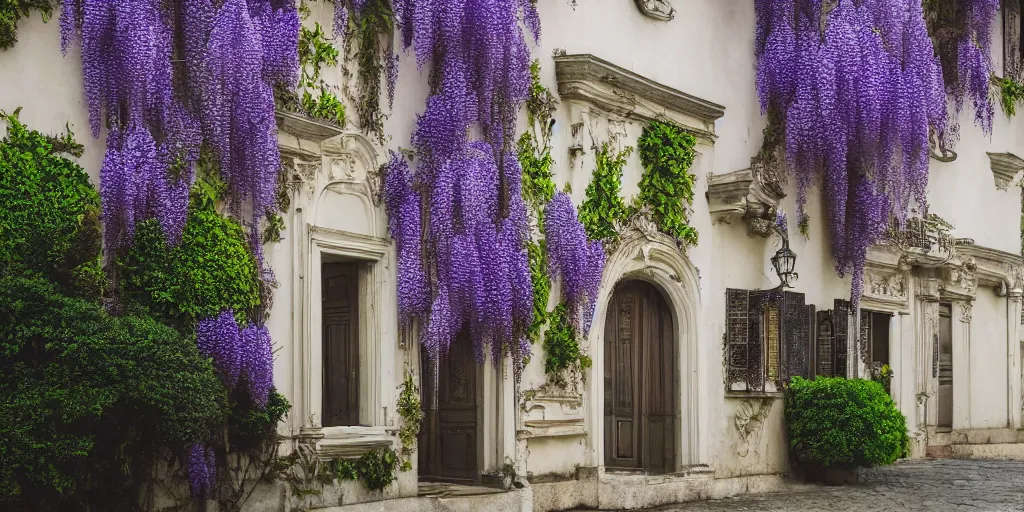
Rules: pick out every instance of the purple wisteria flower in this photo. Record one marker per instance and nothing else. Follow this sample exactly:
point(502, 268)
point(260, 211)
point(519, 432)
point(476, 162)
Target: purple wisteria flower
point(859, 94)
point(578, 262)
point(218, 337)
point(258, 363)
point(198, 470)
point(474, 247)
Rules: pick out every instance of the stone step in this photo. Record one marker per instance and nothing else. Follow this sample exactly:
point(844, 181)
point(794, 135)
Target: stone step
point(939, 451)
point(1000, 451)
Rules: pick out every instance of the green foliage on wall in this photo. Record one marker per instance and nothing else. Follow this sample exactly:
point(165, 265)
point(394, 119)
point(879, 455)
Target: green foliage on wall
point(210, 270)
point(562, 347)
point(49, 222)
point(375, 469)
point(843, 423)
point(666, 152)
point(603, 206)
point(315, 53)
point(1011, 94)
point(87, 400)
point(541, 287)
point(12, 11)
point(411, 412)
point(369, 29)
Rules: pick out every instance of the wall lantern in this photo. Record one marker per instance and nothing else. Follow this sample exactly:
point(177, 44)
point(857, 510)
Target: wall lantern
point(784, 262)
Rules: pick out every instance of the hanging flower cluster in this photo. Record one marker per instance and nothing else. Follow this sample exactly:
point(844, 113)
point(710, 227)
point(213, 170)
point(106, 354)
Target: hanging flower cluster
point(202, 469)
point(859, 87)
point(159, 113)
point(233, 56)
point(974, 60)
point(571, 256)
point(474, 242)
point(236, 353)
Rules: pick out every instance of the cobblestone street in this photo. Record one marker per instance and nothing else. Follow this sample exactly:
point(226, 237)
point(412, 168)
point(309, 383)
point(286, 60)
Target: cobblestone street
point(933, 485)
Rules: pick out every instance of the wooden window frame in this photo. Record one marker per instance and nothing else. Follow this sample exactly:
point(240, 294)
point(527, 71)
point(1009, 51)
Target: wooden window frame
point(375, 356)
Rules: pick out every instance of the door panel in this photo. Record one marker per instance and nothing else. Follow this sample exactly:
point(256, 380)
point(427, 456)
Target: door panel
point(450, 430)
point(340, 295)
point(640, 380)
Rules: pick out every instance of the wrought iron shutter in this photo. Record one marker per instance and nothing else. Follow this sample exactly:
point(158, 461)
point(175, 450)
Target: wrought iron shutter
point(796, 325)
point(737, 309)
point(842, 312)
point(825, 344)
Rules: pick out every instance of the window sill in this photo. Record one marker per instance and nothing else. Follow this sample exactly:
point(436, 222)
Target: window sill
point(754, 394)
point(348, 442)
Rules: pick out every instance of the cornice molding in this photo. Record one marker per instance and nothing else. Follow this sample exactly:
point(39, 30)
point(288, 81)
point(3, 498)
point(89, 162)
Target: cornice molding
point(616, 90)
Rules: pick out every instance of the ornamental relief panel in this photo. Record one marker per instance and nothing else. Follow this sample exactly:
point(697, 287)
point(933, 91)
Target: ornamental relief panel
point(660, 10)
point(890, 286)
point(749, 421)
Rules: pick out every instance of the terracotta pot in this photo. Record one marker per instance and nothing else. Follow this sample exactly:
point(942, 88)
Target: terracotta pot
point(839, 476)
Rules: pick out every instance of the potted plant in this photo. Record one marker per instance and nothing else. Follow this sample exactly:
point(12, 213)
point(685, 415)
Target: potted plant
point(836, 426)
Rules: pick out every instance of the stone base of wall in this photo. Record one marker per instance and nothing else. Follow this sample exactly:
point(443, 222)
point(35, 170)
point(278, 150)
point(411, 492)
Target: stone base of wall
point(980, 443)
point(604, 490)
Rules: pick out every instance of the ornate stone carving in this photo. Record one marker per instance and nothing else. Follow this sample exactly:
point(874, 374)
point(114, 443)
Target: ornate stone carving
point(965, 311)
point(1007, 169)
point(618, 91)
point(892, 285)
point(961, 277)
point(747, 194)
point(749, 421)
point(658, 9)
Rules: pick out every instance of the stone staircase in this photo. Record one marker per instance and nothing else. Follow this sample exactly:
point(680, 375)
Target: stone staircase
point(993, 444)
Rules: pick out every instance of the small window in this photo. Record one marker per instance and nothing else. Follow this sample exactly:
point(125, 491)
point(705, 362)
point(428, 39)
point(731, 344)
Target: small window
point(767, 339)
point(340, 302)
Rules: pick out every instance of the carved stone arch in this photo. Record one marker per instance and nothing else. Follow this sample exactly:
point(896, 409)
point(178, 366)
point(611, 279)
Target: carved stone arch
point(653, 257)
point(349, 170)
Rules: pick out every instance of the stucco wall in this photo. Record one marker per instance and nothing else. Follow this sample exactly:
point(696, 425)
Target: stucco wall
point(706, 51)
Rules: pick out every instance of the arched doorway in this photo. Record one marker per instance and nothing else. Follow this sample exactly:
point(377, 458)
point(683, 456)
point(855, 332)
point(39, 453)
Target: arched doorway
point(639, 380)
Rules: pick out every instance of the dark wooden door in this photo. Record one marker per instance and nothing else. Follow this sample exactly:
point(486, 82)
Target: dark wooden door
point(449, 437)
point(640, 380)
point(340, 296)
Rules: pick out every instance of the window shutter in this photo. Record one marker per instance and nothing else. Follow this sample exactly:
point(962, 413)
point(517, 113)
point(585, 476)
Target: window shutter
point(825, 344)
point(1011, 39)
point(842, 330)
point(755, 343)
point(796, 337)
point(737, 308)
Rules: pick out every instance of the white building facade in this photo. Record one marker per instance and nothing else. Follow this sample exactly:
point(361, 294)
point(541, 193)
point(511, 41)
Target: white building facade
point(942, 306)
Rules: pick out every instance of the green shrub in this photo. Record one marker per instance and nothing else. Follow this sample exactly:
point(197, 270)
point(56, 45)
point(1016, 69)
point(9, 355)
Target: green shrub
point(49, 222)
point(666, 152)
point(843, 423)
point(210, 270)
point(87, 400)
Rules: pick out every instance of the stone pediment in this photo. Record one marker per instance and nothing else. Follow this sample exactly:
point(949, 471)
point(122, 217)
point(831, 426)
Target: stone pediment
point(747, 194)
point(618, 91)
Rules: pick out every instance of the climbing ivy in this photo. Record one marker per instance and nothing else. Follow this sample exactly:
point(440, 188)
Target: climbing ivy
point(1011, 94)
point(534, 146)
point(412, 416)
point(666, 152)
point(375, 469)
point(562, 347)
point(541, 287)
point(603, 206)
point(12, 11)
point(315, 53)
point(370, 30)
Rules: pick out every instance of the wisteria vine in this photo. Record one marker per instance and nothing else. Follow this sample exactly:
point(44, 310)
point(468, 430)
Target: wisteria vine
point(168, 81)
point(471, 272)
point(578, 261)
point(859, 87)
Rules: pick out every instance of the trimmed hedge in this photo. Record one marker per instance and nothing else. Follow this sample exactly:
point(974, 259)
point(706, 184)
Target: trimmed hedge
point(843, 423)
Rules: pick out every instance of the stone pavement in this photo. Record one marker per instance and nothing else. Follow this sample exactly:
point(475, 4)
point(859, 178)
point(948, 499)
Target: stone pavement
point(932, 484)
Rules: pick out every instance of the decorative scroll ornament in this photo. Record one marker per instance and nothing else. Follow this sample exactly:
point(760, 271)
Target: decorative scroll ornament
point(965, 311)
point(660, 10)
point(750, 418)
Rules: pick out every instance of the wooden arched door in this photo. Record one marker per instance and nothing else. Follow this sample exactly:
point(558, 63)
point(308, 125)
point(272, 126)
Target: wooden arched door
point(639, 380)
